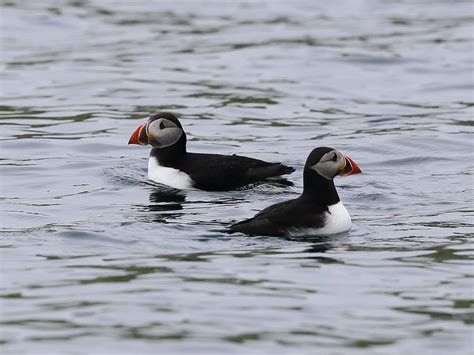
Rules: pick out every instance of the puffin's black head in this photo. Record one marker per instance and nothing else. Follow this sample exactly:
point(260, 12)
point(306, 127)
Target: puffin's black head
point(328, 163)
point(161, 130)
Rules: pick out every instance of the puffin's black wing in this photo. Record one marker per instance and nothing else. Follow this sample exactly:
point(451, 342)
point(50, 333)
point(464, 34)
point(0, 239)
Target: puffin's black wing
point(278, 219)
point(269, 221)
point(225, 172)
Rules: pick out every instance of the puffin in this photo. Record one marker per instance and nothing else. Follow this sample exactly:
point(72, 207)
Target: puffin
point(172, 165)
point(318, 211)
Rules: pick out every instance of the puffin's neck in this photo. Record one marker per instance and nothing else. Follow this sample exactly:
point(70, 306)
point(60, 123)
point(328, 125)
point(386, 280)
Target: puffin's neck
point(318, 189)
point(168, 155)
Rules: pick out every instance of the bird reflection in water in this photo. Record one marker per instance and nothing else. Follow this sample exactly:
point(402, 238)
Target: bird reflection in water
point(165, 204)
point(318, 245)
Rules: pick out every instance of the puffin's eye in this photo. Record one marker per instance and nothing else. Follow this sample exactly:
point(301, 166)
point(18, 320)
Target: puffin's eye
point(162, 125)
point(334, 158)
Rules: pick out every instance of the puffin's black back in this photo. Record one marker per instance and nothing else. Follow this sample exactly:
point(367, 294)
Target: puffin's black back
point(224, 172)
point(213, 171)
point(277, 219)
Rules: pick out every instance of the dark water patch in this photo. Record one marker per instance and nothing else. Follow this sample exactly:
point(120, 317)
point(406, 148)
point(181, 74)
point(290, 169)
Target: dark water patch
point(242, 338)
point(467, 318)
point(12, 111)
point(42, 228)
point(42, 323)
point(71, 305)
point(143, 333)
point(61, 338)
point(469, 123)
point(31, 62)
point(66, 257)
point(15, 296)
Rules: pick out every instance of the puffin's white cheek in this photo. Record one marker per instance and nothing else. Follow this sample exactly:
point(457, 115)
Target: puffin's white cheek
point(325, 169)
point(154, 129)
point(168, 136)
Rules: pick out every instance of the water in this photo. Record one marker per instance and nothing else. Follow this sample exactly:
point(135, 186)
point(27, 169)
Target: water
point(95, 259)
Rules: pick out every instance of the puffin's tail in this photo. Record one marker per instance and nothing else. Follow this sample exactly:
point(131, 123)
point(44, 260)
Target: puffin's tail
point(261, 173)
point(284, 169)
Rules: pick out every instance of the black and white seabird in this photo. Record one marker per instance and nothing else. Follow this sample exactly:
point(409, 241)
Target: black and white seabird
point(317, 211)
point(170, 164)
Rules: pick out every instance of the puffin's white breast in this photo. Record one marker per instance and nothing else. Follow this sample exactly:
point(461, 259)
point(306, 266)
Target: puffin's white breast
point(337, 220)
point(168, 176)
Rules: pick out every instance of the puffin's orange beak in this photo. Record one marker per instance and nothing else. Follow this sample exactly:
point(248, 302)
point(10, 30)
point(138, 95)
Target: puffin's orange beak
point(134, 137)
point(350, 167)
